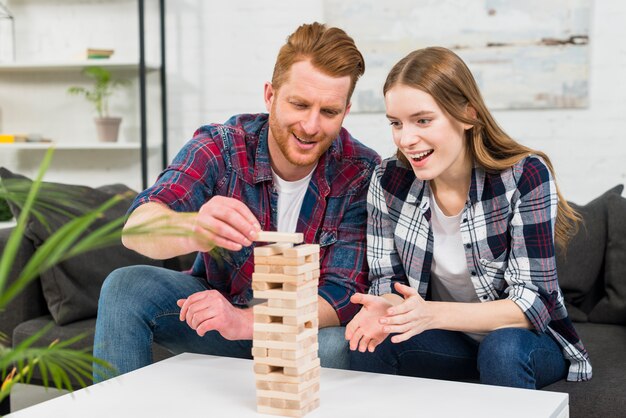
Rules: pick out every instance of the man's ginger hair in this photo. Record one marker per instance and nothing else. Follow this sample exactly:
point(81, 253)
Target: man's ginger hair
point(330, 50)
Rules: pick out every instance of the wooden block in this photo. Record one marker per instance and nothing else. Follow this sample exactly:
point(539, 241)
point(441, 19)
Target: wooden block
point(272, 236)
point(259, 352)
point(282, 344)
point(274, 327)
point(257, 285)
point(292, 304)
point(302, 268)
point(284, 278)
point(287, 387)
point(264, 309)
point(279, 260)
point(302, 397)
point(280, 377)
point(272, 249)
point(292, 354)
point(302, 250)
point(266, 336)
point(300, 319)
point(315, 403)
point(265, 369)
point(299, 346)
point(295, 371)
point(296, 287)
point(291, 405)
point(266, 319)
point(305, 293)
point(298, 363)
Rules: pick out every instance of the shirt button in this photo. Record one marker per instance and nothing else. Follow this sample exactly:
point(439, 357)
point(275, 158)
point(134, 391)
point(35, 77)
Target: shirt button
point(464, 220)
point(473, 273)
point(468, 246)
point(485, 297)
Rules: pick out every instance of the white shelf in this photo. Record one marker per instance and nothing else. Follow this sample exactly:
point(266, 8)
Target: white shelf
point(77, 65)
point(73, 146)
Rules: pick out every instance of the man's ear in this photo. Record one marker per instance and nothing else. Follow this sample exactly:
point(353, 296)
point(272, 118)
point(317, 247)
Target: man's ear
point(471, 113)
point(268, 95)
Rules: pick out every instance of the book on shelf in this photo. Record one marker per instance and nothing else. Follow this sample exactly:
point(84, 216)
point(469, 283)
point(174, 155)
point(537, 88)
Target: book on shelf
point(33, 138)
point(95, 53)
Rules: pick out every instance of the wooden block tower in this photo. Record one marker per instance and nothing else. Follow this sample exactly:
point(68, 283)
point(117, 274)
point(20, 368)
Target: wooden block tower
point(284, 345)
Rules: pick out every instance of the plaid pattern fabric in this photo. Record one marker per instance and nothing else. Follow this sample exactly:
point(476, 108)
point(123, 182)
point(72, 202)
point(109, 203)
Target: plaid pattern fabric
point(233, 160)
point(507, 229)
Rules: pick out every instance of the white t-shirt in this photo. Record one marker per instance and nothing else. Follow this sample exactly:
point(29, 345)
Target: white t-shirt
point(450, 279)
point(290, 198)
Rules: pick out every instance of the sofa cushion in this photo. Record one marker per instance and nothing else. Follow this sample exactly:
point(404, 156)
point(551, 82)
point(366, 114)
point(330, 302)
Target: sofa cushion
point(579, 267)
point(72, 287)
point(611, 309)
point(603, 395)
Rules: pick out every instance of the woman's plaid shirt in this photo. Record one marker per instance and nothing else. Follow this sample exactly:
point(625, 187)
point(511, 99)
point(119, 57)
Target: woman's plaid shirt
point(507, 230)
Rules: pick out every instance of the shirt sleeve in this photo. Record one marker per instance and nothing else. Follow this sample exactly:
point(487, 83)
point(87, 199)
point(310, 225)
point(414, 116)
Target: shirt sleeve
point(531, 271)
point(187, 183)
point(384, 261)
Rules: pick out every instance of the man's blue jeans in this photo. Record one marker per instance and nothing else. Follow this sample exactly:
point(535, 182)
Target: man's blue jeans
point(138, 306)
point(512, 357)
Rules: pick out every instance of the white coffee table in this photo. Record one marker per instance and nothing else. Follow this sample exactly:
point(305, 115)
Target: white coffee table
point(194, 385)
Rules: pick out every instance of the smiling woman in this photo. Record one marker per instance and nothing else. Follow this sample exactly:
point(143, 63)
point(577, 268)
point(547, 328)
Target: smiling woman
point(462, 229)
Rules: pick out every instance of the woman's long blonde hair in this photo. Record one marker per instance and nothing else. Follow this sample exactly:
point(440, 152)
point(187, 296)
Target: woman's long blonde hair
point(442, 74)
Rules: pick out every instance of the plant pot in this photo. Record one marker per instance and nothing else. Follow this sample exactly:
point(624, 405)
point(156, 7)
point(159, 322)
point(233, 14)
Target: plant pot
point(108, 129)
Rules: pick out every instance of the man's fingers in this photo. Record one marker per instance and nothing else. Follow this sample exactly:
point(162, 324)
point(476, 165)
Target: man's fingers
point(183, 308)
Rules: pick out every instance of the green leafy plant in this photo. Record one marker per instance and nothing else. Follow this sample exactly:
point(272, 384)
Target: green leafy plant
point(103, 88)
point(58, 362)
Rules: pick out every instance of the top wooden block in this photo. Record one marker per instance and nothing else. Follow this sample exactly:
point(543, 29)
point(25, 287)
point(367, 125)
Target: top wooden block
point(272, 236)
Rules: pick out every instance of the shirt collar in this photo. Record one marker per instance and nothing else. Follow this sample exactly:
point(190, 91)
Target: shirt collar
point(420, 191)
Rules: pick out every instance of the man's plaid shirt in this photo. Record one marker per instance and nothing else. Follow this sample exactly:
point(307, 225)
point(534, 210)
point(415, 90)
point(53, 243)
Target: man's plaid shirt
point(233, 160)
point(507, 228)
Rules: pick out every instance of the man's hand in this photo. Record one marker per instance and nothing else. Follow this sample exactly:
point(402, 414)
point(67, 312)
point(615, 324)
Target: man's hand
point(365, 331)
point(224, 222)
point(411, 317)
point(210, 311)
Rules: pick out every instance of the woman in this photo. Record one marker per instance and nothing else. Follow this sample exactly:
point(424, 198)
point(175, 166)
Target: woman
point(462, 229)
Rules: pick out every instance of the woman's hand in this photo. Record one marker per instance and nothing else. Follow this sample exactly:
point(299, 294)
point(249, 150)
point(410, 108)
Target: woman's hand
point(411, 317)
point(365, 331)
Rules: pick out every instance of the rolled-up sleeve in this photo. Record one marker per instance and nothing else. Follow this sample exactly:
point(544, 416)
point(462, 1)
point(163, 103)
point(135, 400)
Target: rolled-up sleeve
point(531, 272)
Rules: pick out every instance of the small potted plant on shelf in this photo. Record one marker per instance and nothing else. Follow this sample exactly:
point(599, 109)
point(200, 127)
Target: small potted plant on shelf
point(107, 126)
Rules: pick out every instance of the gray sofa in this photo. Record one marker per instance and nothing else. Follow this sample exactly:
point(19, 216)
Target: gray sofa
point(592, 276)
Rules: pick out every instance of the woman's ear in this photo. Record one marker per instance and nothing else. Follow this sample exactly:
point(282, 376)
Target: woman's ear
point(471, 113)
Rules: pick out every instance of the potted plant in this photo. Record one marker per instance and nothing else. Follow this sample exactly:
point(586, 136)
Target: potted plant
point(104, 86)
point(58, 361)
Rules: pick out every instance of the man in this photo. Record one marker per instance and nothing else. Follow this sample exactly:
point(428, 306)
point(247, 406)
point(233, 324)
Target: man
point(293, 170)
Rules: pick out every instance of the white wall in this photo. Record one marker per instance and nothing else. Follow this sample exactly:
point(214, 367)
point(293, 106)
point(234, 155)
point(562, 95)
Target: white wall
point(219, 54)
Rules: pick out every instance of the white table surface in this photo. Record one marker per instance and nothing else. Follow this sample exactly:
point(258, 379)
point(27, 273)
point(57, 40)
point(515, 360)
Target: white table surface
point(194, 385)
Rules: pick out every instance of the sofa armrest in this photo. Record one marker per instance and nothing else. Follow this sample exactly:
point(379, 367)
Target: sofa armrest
point(29, 303)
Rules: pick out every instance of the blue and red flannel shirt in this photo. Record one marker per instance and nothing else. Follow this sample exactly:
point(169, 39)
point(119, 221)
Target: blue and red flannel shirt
point(507, 229)
point(233, 160)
